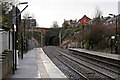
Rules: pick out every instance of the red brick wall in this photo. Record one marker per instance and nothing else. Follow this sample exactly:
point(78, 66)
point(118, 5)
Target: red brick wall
point(84, 20)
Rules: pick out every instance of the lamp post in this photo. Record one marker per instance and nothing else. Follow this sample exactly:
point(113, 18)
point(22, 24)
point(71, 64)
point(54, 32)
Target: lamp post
point(24, 35)
point(91, 42)
point(29, 33)
point(41, 39)
point(13, 46)
point(15, 33)
point(29, 26)
point(60, 38)
point(112, 38)
point(116, 33)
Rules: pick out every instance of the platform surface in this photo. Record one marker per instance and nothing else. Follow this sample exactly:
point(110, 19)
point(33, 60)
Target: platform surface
point(107, 55)
point(36, 64)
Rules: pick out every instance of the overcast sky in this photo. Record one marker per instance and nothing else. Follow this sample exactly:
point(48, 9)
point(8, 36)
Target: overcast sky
point(47, 11)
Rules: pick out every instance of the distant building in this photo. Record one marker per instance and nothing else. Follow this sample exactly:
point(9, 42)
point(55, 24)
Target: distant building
point(111, 20)
point(84, 20)
point(28, 22)
point(71, 23)
point(105, 20)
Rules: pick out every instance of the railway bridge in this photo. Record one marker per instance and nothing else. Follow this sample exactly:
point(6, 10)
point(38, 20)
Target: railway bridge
point(47, 36)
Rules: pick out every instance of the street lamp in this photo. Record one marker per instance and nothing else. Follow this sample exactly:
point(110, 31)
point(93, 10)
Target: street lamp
point(30, 29)
point(22, 3)
point(60, 38)
point(29, 18)
point(41, 39)
point(91, 42)
point(112, 38)
point(15, 36)
point(116, 33)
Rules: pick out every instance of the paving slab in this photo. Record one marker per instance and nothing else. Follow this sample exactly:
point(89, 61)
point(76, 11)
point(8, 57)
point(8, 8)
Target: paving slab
point(27, 67)
point(48, 67)
point(36, 64)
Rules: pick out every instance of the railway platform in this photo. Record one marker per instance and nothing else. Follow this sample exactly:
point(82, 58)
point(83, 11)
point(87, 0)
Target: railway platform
point(35, 64)
point(107, 55)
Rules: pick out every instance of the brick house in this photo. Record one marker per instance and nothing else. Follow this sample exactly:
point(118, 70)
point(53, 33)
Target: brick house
point(84, 20)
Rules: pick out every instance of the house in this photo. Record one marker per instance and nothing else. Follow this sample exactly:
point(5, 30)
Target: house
point(105, 20)
point(84, 20)
point(28, 22)
point(71, 23)
point(111, 20)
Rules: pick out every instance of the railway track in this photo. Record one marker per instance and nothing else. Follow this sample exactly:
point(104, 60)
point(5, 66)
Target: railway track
point(114, 68)
point(72, 74)
point(88, 66)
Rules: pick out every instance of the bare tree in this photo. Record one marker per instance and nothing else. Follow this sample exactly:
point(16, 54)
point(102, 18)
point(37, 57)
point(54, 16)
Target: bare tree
point(6, 12)
point(27, 15)
point(98, 12)
point(55, 24)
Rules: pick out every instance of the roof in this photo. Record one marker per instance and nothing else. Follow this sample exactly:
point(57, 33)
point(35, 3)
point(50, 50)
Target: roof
point(84, 20)
point(29, 21)
point(71, 21)
point(112, 19)
point(105, 19)
point(83, 17)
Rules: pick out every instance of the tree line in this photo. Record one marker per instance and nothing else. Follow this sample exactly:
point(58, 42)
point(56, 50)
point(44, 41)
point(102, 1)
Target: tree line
point(95, 36)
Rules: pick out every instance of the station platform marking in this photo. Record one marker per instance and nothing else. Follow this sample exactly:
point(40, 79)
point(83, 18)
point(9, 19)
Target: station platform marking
point(46, 67)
